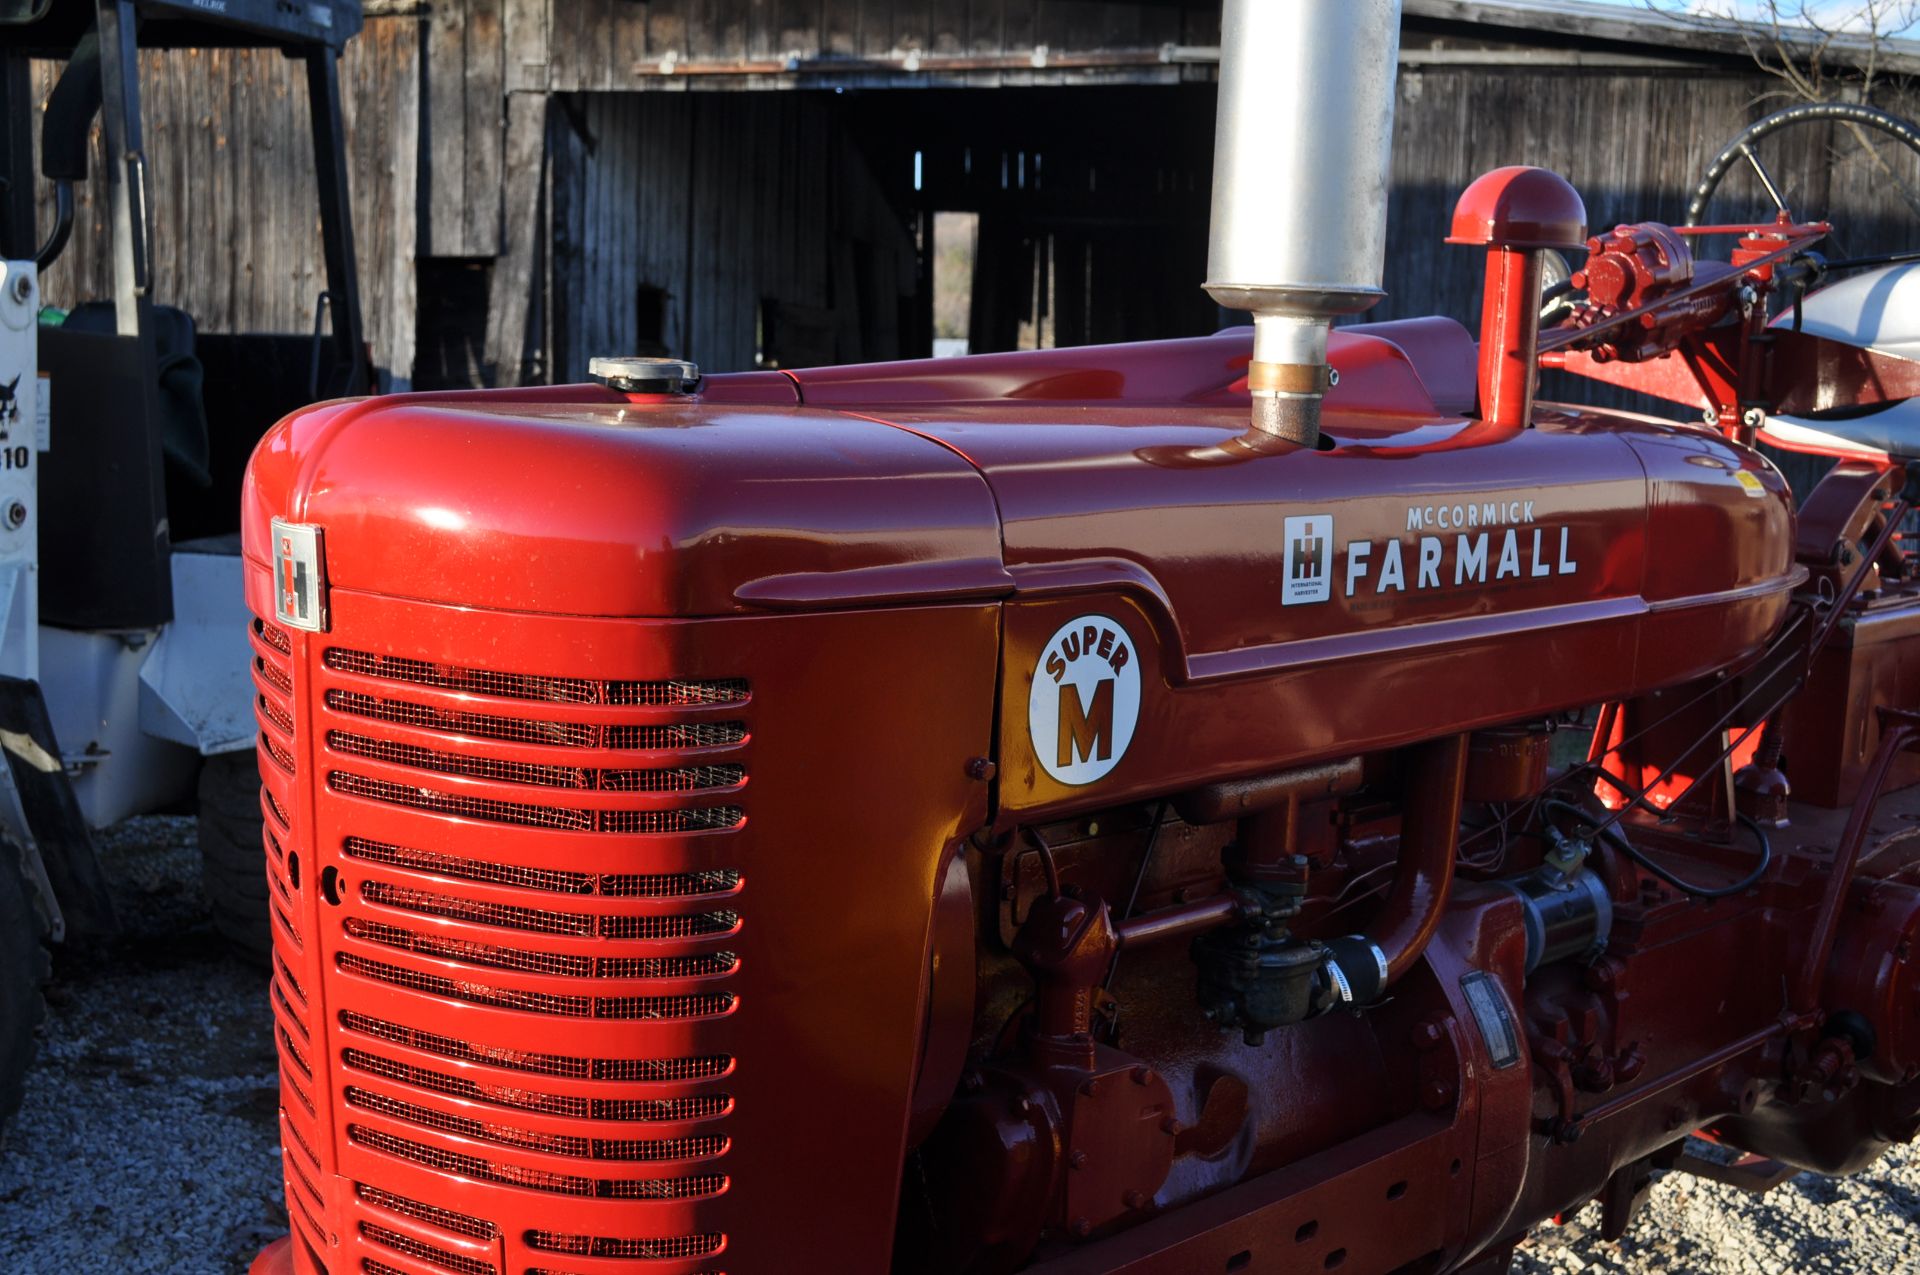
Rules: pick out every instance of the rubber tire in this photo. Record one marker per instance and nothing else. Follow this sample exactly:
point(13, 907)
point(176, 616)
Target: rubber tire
point(233, 862)
point(24, 968)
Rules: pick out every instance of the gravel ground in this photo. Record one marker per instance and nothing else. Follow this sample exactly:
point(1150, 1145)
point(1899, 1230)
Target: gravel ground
point(148, 1140)
point(1845, 1226)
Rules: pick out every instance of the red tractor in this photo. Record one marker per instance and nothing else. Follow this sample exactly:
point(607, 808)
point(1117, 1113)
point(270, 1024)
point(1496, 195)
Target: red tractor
point(1109, 809)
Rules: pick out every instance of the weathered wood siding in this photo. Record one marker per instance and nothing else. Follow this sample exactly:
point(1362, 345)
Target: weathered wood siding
point(506, 142)
point(605, 45)
point(464, 118)
point(236, 226)
point(1632, 144)
point(713, 207)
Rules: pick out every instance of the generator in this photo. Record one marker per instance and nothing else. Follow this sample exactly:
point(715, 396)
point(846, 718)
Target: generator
point(1278, 801)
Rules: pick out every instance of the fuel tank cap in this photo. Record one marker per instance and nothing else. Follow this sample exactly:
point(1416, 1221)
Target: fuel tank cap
point(641, 375)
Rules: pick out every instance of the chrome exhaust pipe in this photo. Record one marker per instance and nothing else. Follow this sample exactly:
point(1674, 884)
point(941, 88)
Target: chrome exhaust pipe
point(1302, 150)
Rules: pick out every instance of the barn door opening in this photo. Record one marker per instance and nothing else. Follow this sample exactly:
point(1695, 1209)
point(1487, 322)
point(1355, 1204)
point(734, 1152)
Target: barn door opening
point(956, 241)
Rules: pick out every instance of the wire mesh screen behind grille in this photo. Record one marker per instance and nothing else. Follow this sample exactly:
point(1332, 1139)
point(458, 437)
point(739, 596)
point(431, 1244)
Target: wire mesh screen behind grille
point(633, 1150)
point(273, 636)
point(661, 1249)
point(521, 730)
point(561, 964)
point(619, 885)
point(273, 676)
point(432, 1254)
point(674, 1188)
point(633, 1069)
point(572, 1105)
point(532, 775)
point(446, 1219)
point(621, 1007)
point(707, 819)
point(527, 686)
point(548, 921)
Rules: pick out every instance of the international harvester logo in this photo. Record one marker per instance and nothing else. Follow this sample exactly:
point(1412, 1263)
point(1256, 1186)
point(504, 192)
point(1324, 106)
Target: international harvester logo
point(299, 576)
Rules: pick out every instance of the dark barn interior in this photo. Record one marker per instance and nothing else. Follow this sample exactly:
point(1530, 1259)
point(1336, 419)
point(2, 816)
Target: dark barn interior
point(796, 229)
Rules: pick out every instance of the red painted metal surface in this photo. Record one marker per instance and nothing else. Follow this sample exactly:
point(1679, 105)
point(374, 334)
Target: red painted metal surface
point(944, 818)
point(1520, 207)
point(548, 1001)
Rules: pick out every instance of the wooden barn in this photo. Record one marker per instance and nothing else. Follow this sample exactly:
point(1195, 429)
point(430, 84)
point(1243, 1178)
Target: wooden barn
point(761, 182)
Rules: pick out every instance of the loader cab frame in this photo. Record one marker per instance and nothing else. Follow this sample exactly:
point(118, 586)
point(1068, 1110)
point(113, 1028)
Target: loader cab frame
point(154, 421)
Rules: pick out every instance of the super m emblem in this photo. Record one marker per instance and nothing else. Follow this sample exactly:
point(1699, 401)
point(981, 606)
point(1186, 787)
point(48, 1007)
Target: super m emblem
point(299, 576)
point(1085, 699)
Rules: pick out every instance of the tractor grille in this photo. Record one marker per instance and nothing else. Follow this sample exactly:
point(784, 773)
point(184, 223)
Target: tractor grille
point(538, 850)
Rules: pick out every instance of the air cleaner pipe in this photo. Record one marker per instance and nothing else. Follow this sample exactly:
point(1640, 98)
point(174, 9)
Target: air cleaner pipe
point(1181, 922)
point(1302, 145)
point(1516, 213)
point(1429, 836)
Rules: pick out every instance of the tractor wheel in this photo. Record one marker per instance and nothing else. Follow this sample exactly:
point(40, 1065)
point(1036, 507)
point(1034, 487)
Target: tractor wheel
point(233, 864)
point(24, 967)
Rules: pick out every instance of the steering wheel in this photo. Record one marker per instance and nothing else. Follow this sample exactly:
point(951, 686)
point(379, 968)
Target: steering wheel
point(1741, 147)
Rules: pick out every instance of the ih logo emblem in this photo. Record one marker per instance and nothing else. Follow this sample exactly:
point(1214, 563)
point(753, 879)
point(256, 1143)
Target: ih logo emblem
point(1309, 561)
point(299, 576)
point(1085, 699)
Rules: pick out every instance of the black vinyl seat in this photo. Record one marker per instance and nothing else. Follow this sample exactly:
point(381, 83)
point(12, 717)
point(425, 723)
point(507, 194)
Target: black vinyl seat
point(184, 435)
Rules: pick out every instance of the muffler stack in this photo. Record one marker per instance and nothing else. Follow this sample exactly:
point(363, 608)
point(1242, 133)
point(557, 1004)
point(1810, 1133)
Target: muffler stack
point(1302, 150)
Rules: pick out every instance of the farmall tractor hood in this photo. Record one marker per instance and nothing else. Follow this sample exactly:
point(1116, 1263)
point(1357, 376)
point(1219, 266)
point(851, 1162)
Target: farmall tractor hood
point(983, 476)
point(1412, 535)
